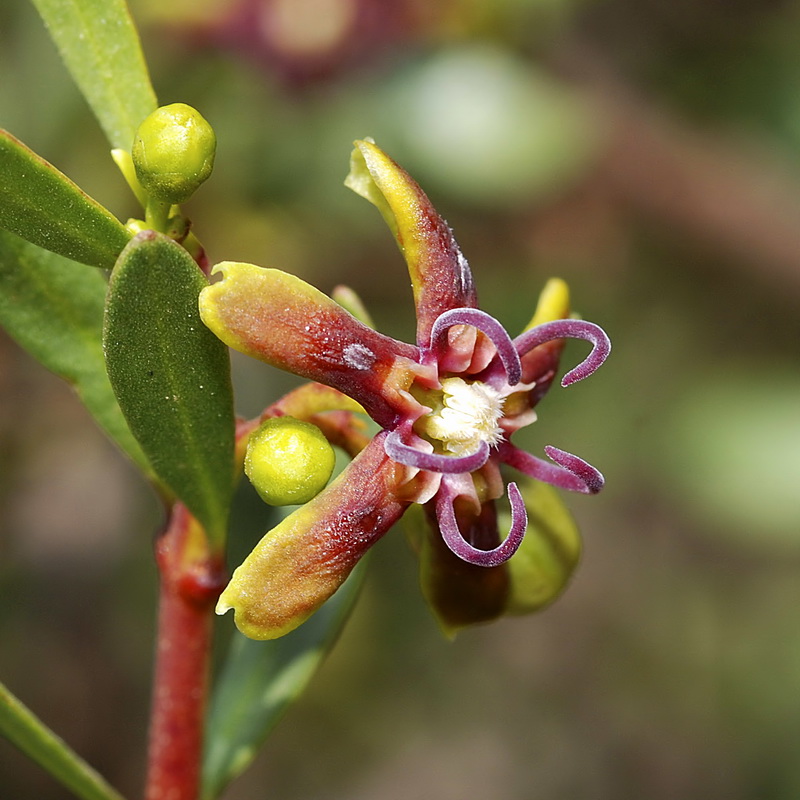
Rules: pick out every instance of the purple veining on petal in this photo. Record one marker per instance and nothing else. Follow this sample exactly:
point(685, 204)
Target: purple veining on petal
point(569, 329)
point(453, 538)
point(568, 472)
point(488, 325)
point(398, 451)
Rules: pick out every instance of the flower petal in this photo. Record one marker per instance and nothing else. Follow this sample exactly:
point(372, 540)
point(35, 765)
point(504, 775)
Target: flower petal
point(309, 399)
point(549, 553)
point(286, 322)
point(461, 594)
point(540, 363)
point(440, 275)
point(553, 303)
point(299, 564)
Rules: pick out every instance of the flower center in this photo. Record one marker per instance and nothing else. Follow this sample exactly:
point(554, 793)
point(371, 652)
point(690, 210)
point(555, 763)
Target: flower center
point(467, 416)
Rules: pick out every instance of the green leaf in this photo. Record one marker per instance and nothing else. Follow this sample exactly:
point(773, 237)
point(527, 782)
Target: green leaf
point(21, 727)
point(100, 46)
point(42, 205)
point(258, 682)
point(53, 308)
point(171, 375)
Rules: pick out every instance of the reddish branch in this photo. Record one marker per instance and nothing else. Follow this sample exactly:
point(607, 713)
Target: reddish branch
point(191, 581)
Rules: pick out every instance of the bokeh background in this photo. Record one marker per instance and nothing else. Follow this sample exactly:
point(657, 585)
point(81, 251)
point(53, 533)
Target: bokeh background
point(648, 151)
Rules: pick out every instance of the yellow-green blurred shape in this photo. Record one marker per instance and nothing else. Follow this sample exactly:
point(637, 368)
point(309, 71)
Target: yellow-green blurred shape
point(732, 455)
point(490, 128)
point(549, 553)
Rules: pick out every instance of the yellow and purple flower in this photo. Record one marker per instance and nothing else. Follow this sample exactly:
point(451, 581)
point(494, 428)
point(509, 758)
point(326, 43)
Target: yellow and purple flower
point(447, 407)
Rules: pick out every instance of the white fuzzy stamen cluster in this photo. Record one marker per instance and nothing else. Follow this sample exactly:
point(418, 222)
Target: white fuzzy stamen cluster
point(468, 416)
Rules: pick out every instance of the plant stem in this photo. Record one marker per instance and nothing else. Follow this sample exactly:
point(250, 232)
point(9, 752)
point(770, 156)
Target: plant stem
point(157, 214)
point(192, 578)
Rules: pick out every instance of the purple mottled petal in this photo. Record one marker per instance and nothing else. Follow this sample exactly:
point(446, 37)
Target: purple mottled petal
point(453, 538)
point(569, 329)
point(569, 472)
point(487, 324)
point(398, 451)
point(440, 275)
point(299, 564)
point(280, 319)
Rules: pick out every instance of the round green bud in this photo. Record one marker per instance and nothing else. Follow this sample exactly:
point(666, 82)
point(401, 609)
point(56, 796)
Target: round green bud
point(173, 152)
point(288, 461)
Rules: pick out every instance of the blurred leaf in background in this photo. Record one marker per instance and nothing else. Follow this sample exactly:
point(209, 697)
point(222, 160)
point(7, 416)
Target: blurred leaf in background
point(733, 454)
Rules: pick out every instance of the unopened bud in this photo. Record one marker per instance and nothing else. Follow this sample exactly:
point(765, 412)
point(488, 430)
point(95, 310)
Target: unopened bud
point(173, 152)
point(288, 462)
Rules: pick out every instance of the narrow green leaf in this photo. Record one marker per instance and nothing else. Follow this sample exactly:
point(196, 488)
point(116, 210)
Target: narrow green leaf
point(100, 46)
point(260, 680)
point(53, 308)
point(21, 727)
point(171, 375)
point(42, 205)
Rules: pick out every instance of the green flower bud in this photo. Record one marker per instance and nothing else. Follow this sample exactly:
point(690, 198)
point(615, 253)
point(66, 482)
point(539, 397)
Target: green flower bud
point(173, 152)
point(288, 461)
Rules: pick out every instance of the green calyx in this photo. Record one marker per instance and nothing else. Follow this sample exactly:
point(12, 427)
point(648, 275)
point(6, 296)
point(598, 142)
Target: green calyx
point(173, 153)
point(288, 462)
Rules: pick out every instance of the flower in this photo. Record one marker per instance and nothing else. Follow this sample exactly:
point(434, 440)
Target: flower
point(447, 407)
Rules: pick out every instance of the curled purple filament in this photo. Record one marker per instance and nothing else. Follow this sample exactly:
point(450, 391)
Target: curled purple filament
point(453, 538)
point(568, 472)
point(398, 451)
point(487, 324)
point(569, 329)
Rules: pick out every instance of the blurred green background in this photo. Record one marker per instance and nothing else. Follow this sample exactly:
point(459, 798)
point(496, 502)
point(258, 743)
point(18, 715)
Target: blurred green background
point(647, 151)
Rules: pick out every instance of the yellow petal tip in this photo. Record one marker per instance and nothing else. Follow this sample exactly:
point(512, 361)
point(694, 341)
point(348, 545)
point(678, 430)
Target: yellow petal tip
point(553, 303)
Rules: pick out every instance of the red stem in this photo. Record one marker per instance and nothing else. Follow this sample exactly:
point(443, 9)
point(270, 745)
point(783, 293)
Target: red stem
point(191, 581)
